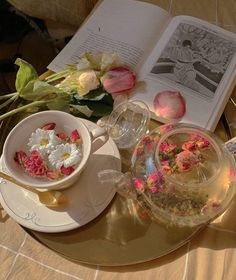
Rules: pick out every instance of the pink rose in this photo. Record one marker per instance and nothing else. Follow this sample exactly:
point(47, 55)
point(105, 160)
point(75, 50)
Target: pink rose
point(166, 166)
point(155, 181)
point(61, 135)
point(139, 185)
point(139, 150)
point(154, 189)
point(201, 142)
point(169, 105)
point(75, 136)
point(165, 128)
point(232, 174)
point(189, 145)
point(186, 160)
point(66, 170)
point(166, 148)
point(118, 80)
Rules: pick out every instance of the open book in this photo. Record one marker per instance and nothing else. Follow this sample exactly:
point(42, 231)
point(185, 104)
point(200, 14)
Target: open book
point(181, 53)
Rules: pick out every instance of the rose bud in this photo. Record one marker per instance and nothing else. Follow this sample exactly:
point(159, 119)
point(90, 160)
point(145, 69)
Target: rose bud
point(66, 170)
point(118, 79)
point(88, 80)
point(61, 135)
point(75, 137)
point(169, 105)
point(48, 126)
point(139, 184)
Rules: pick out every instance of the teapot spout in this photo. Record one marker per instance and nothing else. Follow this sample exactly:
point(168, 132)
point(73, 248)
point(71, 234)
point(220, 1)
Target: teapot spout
point(121, 182)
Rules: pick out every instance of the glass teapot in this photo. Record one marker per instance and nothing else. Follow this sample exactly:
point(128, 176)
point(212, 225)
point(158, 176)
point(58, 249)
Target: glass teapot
point(181, 174)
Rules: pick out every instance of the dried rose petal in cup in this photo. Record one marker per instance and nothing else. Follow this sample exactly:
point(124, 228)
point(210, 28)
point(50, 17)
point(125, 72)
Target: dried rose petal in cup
point(51, 155)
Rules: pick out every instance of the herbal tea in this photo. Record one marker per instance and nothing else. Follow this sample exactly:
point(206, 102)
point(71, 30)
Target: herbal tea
point(189, 158)
point(183, 175)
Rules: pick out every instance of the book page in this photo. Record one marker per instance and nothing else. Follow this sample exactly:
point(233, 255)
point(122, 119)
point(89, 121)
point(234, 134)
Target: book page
point(129, 27)
point(199, 60)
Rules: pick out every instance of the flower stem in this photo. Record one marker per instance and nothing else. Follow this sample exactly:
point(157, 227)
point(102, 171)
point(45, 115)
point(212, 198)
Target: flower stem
point(22, 108)
point(56, 76)
point(8, 101)
point(6, 96)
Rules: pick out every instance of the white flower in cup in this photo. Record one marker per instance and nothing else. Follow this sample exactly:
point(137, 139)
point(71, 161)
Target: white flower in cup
point(43, 141)
point(65, 155)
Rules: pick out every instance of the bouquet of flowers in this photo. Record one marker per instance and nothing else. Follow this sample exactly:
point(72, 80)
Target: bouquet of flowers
point(86, 88)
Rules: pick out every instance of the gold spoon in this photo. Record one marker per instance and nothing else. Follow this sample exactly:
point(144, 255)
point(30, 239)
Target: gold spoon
point(48, 198)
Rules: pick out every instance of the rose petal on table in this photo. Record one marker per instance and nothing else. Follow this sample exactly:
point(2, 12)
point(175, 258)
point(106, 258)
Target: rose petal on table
point(169, 105)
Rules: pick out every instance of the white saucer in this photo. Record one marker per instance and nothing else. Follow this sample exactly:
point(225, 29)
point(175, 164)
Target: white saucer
point(87, 198)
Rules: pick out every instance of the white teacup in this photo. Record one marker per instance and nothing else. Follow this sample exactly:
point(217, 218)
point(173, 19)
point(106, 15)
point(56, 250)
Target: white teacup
point(19, 136)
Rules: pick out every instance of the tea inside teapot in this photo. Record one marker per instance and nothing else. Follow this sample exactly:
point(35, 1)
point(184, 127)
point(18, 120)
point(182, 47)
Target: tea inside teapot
point(183, 175)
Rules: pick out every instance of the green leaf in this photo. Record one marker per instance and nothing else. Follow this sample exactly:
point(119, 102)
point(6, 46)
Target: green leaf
point(94, 95)
point(25, 73)
point(60, 103)
point(108, 99)
point(38, 90)
point(99, 109)
point(82, 109)
point(55, 98)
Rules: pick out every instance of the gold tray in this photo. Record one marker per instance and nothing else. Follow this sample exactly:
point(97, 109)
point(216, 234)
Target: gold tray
point(122, 235)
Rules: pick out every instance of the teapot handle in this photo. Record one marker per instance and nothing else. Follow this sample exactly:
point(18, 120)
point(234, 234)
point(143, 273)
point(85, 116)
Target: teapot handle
point(231, 145)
